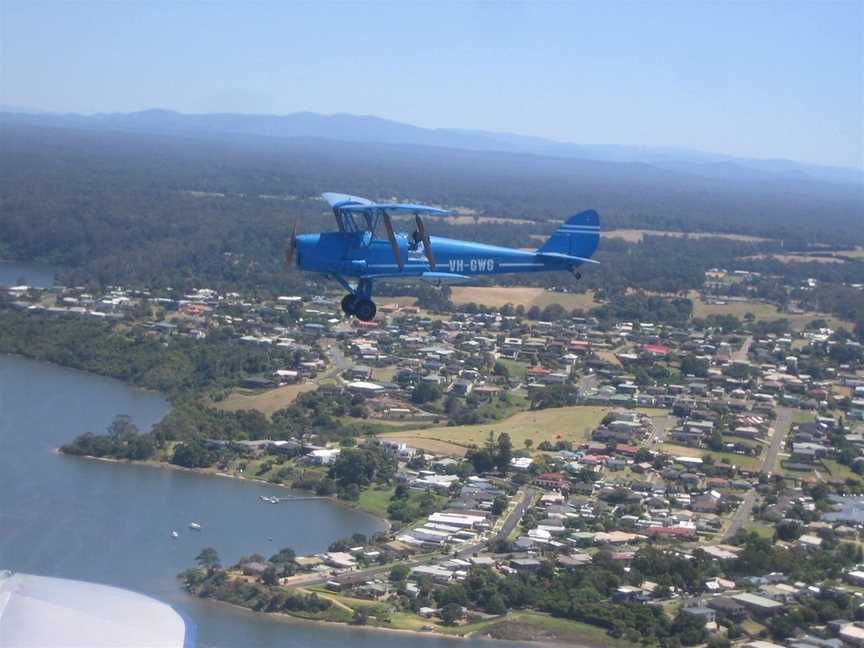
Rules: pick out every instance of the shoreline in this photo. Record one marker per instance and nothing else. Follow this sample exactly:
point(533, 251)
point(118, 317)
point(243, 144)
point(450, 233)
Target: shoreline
point(285, 617)
point(203, 473)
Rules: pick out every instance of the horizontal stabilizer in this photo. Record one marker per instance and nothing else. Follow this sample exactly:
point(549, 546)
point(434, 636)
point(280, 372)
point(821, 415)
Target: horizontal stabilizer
point(577, 237)
point(566, 257)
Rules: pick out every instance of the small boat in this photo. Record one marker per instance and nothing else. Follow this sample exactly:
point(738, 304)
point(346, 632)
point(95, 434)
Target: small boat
point(194, 526)
point(174, 534)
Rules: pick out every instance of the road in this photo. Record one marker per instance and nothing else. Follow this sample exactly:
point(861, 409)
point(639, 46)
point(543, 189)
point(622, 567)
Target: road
point(339, 363)
point(742, 515)
point(741, 354)
point(662, 425)
point(516, 514)
point(781, 428)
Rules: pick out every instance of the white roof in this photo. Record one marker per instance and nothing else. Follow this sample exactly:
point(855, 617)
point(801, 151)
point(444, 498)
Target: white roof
point(365, 386)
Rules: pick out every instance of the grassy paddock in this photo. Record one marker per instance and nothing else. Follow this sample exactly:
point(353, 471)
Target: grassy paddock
point(573, 424)
point(745, 463)
point(265, 402)
point(498, 296)
point(636, 235)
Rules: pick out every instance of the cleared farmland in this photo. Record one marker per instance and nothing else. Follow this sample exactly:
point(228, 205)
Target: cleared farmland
point(498, 296)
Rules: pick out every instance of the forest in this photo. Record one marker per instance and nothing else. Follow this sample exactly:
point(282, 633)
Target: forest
point(134, 355)
point(154, 210)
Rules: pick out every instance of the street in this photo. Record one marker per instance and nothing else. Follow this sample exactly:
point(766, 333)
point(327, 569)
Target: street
point(781, 428)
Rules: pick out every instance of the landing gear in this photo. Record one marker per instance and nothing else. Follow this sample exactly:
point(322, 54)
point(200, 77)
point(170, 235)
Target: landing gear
point(358, 302)
point(365, 310)
point(349, 301)
point(576, 275)
point(362, 309)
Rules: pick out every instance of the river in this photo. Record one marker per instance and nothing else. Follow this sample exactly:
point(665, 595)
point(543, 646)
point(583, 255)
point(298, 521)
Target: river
point(13, 273)
point(111, 523)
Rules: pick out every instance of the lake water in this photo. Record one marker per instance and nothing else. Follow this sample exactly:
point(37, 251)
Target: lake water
point(111, 523)
point(14, 273)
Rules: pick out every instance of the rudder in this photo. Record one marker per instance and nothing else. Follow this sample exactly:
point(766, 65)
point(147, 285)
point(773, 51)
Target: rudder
point(578, 236)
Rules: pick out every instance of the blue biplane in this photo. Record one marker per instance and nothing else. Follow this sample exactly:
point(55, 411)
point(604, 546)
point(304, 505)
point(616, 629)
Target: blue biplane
point(354, 252)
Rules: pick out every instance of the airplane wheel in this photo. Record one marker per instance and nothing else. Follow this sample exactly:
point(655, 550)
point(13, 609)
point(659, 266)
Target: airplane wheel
point(365, 310)
point(349, 302)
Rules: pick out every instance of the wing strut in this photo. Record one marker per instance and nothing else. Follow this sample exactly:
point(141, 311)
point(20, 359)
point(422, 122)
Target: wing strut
point(292, 246)
point(394, 244)
point(427, 246)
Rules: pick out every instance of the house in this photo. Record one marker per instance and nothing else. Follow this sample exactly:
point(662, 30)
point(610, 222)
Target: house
point(525, 564)
point(677, 533)
point(254, 568)
point(322, 456)
point(727, 608)
point(340, 560)
point(461, 388)
point(551, 481)
point(574, 561)
point(629, 594)
point(360, 372)
point(436, 573)
point(852, 634)
point(758, 605)
point(705, 613)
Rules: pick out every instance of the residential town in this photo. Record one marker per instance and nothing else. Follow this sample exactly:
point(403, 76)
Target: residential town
point(520, 446)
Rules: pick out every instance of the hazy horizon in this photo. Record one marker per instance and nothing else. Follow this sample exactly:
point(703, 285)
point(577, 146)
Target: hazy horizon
point(761, 80)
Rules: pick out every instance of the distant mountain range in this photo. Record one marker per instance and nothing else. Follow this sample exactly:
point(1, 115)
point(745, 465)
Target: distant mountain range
point(369, 129)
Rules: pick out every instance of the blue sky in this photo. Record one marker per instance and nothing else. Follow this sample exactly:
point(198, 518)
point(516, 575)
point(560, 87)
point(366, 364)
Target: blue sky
point(758, 79)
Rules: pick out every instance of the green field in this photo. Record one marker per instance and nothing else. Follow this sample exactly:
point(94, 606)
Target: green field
point(839, 471)
point(517, 369)
point(374, 500)
point(745, 463)
point(762, 311)
point(524, 624)
point(573, 424)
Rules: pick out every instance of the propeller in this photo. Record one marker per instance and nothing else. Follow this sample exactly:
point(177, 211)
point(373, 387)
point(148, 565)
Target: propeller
point(394, 244)
point(292, 246)
point(427, 246)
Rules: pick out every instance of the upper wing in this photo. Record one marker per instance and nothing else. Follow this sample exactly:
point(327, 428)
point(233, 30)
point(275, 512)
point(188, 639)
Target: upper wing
point(395, 208)
point(343, 200)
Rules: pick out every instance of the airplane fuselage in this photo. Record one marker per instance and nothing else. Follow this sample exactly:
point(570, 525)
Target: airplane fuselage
point(359, 255)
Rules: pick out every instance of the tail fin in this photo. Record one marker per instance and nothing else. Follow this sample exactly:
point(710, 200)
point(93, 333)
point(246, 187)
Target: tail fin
point(578, 236)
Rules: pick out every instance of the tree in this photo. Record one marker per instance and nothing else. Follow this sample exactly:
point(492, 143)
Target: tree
point(451, 613)
point(689, 628)
point(719, 641)
point(425, 392)
point(399, 573)
point(208, 559)
point(481, 458)
point(286, 555)
point(269, 577)
point(192, 454)
point(695, 366)
point(500, 369)
point(499, 504)
point(121, 427)
point(505, 452)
